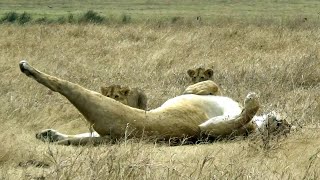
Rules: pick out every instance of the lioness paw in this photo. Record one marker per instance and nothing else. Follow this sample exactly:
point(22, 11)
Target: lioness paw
point(25, 68)
point(49, 135)
point(251, 101)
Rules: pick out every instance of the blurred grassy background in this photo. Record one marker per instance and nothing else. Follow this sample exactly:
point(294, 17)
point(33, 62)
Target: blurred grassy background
point(142, 10)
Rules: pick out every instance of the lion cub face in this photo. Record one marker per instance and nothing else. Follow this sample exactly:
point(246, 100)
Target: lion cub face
point(131, 97)
point(200, 74)
point(116, 92)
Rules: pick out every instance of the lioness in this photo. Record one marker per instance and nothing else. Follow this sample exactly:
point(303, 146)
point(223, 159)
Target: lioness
point(131, 97)
point(200, 74)
point(187, 115)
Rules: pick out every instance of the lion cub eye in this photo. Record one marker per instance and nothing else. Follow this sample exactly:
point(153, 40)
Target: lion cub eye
point(116, 96)
point(202, 77)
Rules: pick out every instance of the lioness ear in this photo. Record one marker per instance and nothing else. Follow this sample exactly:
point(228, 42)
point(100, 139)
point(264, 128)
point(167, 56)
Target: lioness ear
point(125, 91)
point(191, 72)
point(209, 72)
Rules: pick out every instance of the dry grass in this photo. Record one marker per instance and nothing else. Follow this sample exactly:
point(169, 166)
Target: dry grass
point(281, 64)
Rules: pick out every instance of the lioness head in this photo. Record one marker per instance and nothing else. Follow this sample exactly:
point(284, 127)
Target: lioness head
point(200, 74)
point(116, 92)
point(276, 125)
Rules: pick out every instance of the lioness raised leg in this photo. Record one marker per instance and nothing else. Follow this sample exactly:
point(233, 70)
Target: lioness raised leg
point(99, 110)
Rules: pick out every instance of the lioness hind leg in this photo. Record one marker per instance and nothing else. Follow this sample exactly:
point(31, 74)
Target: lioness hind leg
point(52, 83)
point(94, 108)
point(26, 69)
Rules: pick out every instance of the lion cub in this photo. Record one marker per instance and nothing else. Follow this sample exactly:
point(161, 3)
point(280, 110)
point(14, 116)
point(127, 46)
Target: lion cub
point(131, 97)
point(207, 87)
point(200, 74)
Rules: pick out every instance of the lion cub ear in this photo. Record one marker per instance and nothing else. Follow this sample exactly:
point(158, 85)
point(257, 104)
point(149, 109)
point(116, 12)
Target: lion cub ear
point(125, 91)
point(103, 90)
point(191, 72)
point(209, 73)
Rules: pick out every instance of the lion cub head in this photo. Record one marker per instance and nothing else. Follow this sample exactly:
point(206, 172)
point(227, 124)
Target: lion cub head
point(200, 74)
point(132, 97)
point(115, 92)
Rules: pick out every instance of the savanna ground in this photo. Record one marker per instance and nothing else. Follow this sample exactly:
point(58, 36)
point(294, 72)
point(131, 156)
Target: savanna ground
point(266, 47)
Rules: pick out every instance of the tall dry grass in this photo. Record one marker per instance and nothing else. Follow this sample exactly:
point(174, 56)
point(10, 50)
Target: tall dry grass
point(278, 62)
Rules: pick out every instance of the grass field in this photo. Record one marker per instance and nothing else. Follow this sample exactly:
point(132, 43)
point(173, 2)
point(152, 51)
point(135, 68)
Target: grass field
point(279, 62)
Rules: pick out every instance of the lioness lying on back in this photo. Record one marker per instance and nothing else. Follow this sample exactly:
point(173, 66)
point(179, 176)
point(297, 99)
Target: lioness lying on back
point(131, 97)
point(183, 116)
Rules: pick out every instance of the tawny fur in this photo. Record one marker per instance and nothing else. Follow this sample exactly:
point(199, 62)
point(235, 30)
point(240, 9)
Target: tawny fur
point(200, 74)
point(214, 127)
point(132, 97)
point(183, 116)
point(178, 117)
point(207, 87)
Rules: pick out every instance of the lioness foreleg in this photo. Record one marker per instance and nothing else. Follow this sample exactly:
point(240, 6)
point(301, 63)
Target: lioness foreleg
point(51, 135)
point(226, 124)
point(82, 141)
